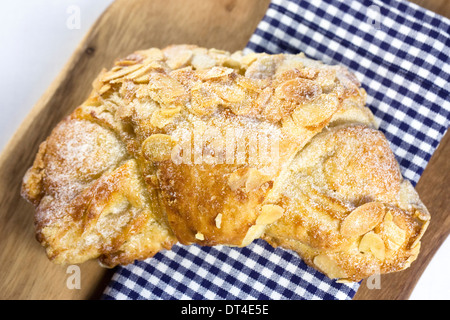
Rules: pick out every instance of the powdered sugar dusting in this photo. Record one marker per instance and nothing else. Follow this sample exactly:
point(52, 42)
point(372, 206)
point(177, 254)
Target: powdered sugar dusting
point(75, 160)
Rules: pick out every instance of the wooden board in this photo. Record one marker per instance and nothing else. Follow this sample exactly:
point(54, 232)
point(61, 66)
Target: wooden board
point(129, 25)
point(441, 7)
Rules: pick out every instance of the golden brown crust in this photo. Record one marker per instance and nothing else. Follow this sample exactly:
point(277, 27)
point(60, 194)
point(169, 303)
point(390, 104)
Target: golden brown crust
point(196, 145)
point(348, 212)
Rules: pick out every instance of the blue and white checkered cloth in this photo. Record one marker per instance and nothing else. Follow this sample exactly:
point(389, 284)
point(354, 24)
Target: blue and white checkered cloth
point(400, 53)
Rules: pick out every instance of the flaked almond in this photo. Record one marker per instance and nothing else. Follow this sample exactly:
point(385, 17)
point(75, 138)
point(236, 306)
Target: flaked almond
point(218, 220)
point(162, 117)
point(237, 179)
point(269, 214)
point(248, 178)
point(396, 235)
point(144, 70)
point(362, 219)
point(298, 90)
point(308, 73)
point(199, 236)
point(248, 59)
point(373, 244)
point(104, 89)
point(214, 73)
point(125, 62)
point(255, 179)
point(289, 66)
point(158, 147)
point(326, 79)
point(152, 53)
point(203, 102)
point(116, 68)
point(202, 61)
point(315, 112)
point(166, 89)
point(253, 233)
point(142, 79)
point(231, 93)
point(252, 84)
point(180, 59)
point(108, 76)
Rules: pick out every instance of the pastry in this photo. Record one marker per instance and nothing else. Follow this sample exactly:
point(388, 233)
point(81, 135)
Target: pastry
point(195, 145)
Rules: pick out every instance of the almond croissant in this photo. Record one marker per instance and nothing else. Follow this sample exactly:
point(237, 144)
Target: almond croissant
point(192, 145)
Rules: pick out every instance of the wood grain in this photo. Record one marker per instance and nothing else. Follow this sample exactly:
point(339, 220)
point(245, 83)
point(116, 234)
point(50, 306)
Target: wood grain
point(441, 7)
point(129, 25)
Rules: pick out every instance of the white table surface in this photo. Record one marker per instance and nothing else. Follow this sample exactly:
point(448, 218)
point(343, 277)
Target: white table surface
point(37, 38)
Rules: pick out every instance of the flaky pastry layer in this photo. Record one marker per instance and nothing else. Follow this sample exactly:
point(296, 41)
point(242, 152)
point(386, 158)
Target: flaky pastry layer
point(195, 145)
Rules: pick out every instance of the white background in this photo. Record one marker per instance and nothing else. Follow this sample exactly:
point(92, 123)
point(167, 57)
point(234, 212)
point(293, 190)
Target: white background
point(36, 42)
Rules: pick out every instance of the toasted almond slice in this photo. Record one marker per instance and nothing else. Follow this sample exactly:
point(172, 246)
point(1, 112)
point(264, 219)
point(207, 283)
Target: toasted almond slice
point(116, 68)
point(248, 59)
point(142, 71)
point(372, 243)
point(202, 61)
point(104, 89)
point(163, 81)
point(298, 90)
point(218, 51)
point(252, 84)
point(230, 93)
point(253, 233)
point(152, 54)
point(199, 236)
point(142, 79)
point(326, 78)
point(269, 214)
point(362, 219)
point(315, 112)
point(121, 73)
point(289, 66)
point(255, 179)
point(158, 147)
point(203, 102)
point(179, 59)
point(214, 73)
point(162, 117)
point(164, 88)
point(422, 213)
point(329, 267)
point(218, 220)
point(395, 234)
point(125, 63)
point(237, 179)
point(250, 178)
point(171, 111)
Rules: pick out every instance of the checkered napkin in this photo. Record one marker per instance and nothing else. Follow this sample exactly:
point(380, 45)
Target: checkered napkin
point(400, 53)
